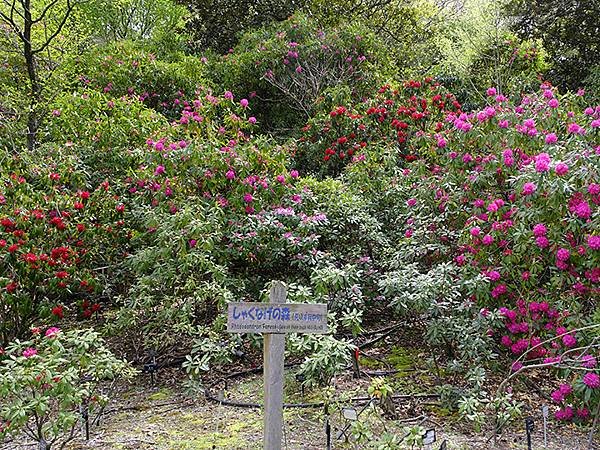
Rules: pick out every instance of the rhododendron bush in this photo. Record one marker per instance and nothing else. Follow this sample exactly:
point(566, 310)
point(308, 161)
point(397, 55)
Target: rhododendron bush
point(128, 69)
point(47, 380)
point(58, 242)
point(517, 195)
point(390, 118)
point(289, 65)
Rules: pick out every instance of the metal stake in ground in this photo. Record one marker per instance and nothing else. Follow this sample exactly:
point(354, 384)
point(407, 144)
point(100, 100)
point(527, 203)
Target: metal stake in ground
point(529, 426)
point(545, 416)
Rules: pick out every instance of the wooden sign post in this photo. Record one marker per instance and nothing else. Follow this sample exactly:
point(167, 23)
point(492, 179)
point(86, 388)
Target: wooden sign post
point(274, 319)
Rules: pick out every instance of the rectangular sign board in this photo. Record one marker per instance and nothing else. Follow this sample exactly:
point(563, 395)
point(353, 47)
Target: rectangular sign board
point(276, 318)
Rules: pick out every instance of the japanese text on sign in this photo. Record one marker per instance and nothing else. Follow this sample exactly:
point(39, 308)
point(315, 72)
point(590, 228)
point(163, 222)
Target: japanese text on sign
point(276, 318)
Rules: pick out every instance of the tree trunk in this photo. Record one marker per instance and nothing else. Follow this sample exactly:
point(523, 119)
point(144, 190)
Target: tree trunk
point(35, 88)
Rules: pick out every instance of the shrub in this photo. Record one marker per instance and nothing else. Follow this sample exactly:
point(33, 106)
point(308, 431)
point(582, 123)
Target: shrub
point(177, 284)
point(390, 119)
point(132, 69)
point(105, 134)
point(55, 235)
point(45, 380)
point(289, 65)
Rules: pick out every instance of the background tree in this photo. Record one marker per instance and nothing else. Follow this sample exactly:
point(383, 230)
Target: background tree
point(31, 30)
point(159, 22)
point(568, 30)
point(407, 27)
point(217, 24)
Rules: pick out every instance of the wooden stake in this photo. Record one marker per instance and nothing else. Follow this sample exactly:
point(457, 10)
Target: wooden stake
point(274, 349)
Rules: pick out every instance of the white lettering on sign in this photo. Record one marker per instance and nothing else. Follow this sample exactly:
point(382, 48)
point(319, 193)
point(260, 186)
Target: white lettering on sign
point(276, 318)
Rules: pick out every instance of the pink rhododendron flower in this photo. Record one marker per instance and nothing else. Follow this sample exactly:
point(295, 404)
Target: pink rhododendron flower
point(529, 188)
point(29, 352)
point(562, 254)
point(52, 331)
point(552, 360)
point(569, 341)
point(557, 396)
point(487, 240)
point(574, 128)
point(591, 380)
point(508, 313)
point(498, 291)
point(542, 242)
point(542, 162)
point(547, 93)
point(583, 210)
point(565, 389)
point(564, 414)
point(551, 138)
point(517, 365)
point(588, 361)
point(539, 229)
point(561, 169)
point(593, 242)
point(493, 275)
point(593, 189)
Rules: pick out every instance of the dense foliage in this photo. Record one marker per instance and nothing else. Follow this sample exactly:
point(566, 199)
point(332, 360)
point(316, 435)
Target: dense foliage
point(47, 379)
point(568, 32)
point(164, 182)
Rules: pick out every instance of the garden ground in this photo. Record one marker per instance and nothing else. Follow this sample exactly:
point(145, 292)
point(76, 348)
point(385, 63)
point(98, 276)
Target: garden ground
point(163, 417)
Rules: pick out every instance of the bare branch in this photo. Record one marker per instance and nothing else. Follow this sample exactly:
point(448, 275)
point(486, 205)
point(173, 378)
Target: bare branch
point(45, 11)
point(65, 17)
